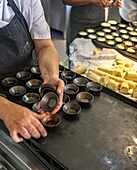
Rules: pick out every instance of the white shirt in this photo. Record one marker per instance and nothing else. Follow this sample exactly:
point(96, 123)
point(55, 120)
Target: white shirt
point(33, 13)
point(128, 11)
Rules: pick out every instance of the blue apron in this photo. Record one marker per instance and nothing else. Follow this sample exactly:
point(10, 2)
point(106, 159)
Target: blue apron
point(16, 45)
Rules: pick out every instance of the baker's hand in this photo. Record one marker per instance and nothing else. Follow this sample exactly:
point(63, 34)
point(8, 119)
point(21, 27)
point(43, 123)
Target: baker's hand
point(117, 3)
point(106, 3)
point(60, 89)
point(103, 3)
point(21, 120)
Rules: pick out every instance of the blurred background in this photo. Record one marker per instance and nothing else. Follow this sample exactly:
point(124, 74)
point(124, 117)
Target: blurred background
point(57, 15)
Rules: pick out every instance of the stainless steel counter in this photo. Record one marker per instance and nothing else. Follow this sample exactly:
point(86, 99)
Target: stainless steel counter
point(102, 137)
point(15, 154)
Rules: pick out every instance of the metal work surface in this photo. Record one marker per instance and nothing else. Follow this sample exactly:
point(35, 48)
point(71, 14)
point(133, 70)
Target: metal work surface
point(103, 137)
point(15, 156)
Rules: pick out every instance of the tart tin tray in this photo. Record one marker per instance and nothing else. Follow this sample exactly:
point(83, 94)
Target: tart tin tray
point(101, 134)
point(20, 92)
point(87, 142)
point(105, 45)
point(123, 52)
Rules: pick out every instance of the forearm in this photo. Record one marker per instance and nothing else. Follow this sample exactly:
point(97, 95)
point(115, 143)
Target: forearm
point(48, 62)
point(4, 108)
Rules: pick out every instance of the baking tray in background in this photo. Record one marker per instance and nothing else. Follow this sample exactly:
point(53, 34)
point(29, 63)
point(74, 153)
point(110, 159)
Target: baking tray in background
point(101, 45)
point(123, 52)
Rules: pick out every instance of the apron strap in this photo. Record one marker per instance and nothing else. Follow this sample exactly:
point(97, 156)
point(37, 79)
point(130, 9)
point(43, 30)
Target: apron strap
point(17, 12)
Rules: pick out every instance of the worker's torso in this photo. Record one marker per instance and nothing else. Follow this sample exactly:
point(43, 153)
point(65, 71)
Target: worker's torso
point(16, 45)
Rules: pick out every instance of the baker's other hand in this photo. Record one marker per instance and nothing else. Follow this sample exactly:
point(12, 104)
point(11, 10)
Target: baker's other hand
point(21, 120)
point(106, 3)
point(103, 3)
point(117, 3)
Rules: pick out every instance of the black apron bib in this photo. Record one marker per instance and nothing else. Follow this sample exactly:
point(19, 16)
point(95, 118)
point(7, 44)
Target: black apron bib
point(16, 45)
point(81, 18)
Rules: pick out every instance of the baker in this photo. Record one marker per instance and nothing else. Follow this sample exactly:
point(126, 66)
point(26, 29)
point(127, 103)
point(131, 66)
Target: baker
point(85, 14)
point(25, 40)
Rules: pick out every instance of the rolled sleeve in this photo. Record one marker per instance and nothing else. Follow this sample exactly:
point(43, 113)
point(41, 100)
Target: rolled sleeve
point(33, 13)
point(40, 28)
point(42, 32)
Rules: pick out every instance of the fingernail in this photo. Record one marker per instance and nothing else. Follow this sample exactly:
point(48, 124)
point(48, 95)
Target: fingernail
point(60, 91)
point(45, 134)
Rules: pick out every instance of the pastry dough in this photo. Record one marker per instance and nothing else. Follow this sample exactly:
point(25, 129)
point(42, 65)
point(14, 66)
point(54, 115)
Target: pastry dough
point(118, 79)
point(134, 94)
point(94, 77)
point(121, 74)
point(107, 70)
point(131, 76)
point(113, 85)
point(130, 91)
point(80, 69)
point(124, 88)
point(104, 80)
point(128, 63)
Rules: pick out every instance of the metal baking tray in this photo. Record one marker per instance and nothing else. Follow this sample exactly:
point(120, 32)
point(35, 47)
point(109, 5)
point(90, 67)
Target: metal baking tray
point(123, 52)
point(101, 137)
